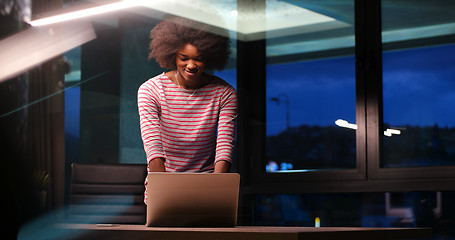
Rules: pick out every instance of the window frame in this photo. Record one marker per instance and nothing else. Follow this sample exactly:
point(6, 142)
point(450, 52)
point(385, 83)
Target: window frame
point(368, 176)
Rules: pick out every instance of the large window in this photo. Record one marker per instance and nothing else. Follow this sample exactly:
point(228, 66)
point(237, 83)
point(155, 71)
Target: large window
point(310, 92)
point(418, 87)
point(382, 113)
point(305, 102)
point(396, 209)
point(418, 95)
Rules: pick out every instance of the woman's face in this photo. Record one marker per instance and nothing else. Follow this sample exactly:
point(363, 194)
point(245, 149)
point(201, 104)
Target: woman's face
point(189, 63)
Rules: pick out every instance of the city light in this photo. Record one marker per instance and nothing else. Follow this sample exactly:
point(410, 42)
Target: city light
point(388, 132)
point(343, 123)
point(317, 222)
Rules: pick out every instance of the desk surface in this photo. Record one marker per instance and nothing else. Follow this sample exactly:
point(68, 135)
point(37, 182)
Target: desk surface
point(130, 232)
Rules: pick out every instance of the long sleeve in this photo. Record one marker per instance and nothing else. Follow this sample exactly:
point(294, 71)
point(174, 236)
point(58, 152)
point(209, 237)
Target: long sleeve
point(226, 126)
point(149, 112)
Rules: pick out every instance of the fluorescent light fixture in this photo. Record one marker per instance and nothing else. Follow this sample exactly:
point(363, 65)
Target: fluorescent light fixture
point(29, 48)
point(87, 12)
point(343, 123)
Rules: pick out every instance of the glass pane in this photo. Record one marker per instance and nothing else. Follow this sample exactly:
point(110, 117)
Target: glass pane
point(111, 69)
point(381, 209)
point(73, 96)
point(72, 107)
point(418, 86)
point(310, 85)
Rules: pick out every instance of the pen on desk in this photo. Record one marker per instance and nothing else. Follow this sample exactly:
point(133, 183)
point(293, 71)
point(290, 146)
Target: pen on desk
point(107, 225)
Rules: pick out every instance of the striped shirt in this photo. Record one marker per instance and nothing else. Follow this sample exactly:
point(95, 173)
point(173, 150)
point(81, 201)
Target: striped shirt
point(190, 129)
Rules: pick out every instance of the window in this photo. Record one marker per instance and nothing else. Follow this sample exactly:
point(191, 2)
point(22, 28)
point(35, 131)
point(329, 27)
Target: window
point(305, 101)
point(418, 89)
point(310, 85)
point(397, 209)
point(418, 94)
point(389, 143)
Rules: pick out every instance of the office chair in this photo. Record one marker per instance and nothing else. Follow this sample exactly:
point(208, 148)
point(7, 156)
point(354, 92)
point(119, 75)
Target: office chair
point(107, 194)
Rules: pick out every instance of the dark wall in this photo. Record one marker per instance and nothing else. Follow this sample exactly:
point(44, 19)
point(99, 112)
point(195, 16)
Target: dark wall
point(18, 199)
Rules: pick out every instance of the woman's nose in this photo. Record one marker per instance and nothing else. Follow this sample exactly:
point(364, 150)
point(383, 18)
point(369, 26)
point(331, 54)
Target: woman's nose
point(191, 65)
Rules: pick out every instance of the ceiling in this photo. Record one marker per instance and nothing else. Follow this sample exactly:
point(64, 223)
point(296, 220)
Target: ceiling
point(251, 20)
point(303, 26)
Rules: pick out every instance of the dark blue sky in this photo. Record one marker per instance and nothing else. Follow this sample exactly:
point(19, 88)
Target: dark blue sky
point(320, 92)
point(419, 89)
point(419, 86)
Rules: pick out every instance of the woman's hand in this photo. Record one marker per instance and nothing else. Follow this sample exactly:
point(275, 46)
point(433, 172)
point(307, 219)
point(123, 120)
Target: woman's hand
point(222, 167)
point(157, 165)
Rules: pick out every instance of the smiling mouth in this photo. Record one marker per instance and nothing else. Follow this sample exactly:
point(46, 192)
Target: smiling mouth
point(191, 73)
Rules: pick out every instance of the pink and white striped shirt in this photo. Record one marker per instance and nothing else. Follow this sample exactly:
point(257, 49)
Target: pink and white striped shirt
point(191, 130)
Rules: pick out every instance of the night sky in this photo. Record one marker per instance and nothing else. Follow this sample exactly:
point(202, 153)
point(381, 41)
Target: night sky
point(419, 89)
point(419, 86)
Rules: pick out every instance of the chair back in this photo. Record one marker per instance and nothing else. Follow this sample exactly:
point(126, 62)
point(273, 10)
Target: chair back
point(107, 193)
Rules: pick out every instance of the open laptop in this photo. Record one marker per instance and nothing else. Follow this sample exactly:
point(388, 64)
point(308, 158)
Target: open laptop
point(192, 199)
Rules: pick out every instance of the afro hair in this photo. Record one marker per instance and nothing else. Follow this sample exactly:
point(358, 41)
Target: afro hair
point(172, 33)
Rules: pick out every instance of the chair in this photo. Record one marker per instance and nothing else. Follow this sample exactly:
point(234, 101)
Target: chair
point(107, 193)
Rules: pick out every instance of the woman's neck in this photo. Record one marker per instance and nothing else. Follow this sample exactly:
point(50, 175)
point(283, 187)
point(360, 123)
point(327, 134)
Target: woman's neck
point(178, 80)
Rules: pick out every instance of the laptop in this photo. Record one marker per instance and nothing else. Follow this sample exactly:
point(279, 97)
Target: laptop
point(192, 199)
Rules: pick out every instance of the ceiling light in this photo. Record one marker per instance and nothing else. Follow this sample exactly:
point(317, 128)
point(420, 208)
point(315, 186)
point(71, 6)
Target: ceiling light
point(29, 48)
point(86, 12)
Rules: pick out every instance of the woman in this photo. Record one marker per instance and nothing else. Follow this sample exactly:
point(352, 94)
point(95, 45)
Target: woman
point(187, 116)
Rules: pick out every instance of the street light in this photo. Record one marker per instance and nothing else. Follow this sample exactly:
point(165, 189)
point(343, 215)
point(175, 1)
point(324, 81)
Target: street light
point(284, 98)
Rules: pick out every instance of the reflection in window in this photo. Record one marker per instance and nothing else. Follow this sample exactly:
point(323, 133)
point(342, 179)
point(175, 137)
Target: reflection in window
point(418, 86)
point(304, 100)
point(72, 105)
point(310, 84)
point(381, 209)
point(419, 93)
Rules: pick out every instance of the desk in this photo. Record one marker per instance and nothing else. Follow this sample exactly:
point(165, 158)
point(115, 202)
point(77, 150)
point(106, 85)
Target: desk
point(137, 232)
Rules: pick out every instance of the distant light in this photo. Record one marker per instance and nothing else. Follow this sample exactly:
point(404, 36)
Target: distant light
point(86, 12)
point(346, 124)
point(272, 166)
point(234, 13)
point(388, 132)
point(343, 123)
point(284, 166)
